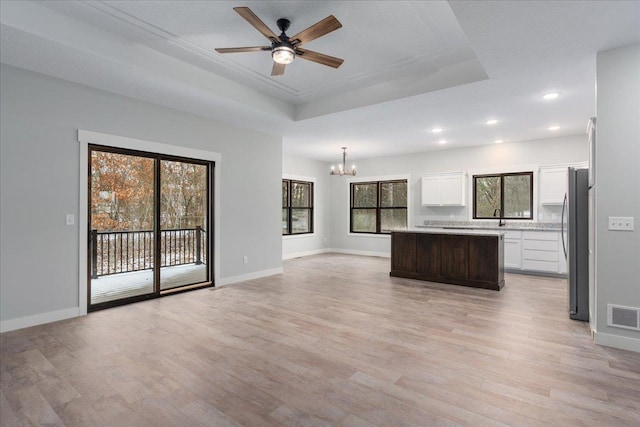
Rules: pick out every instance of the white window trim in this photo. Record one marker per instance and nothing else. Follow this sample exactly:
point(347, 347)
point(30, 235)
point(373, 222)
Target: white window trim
point(311, 179)
point(505, 169)
point(376, 178)
point(85, 138)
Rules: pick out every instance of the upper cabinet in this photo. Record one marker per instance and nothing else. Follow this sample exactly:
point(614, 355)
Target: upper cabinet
point(553, 184)
point(444, 189)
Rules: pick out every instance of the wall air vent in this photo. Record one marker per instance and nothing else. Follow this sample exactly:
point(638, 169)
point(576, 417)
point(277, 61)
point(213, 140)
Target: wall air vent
point(623, 317)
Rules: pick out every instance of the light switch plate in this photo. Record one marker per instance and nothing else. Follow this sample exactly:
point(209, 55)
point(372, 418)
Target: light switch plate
point(621, 223)
point(70, 219)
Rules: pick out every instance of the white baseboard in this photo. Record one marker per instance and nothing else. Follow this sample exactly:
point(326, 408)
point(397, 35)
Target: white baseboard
point(363, 253)
point(617, 341)
point(249, 276)
point(306, 253)
point(38, 319)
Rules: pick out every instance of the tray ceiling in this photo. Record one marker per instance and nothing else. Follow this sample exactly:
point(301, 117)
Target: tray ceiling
point(409, 65)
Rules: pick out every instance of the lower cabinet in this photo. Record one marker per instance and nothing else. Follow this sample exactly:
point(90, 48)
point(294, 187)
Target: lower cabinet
point(540, 251)
point(513, 250)
point(454, 256)
point(534, 251)
point(428, 254)
point(484, 255)
point(469, 260)
point(404, 256)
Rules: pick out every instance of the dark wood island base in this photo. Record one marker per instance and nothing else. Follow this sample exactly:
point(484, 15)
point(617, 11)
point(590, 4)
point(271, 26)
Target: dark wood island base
point(461, 257)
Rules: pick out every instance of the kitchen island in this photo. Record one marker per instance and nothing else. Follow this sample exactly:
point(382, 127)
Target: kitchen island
point(458, 257)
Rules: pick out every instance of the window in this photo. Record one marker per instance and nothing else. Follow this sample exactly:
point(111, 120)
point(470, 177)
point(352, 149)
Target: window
point(378, 207)
point(297, 207)
point(503, 196)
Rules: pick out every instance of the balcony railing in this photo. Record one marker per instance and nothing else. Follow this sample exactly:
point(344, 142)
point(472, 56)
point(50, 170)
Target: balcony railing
point(114, 252)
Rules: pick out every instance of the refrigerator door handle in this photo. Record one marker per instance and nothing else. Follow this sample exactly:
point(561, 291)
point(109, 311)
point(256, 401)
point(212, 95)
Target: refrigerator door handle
point(564, 246)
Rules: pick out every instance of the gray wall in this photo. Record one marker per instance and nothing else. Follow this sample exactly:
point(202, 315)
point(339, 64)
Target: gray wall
point(570, 149)
point(40, 184)
point(308, 244)
point(617, 188)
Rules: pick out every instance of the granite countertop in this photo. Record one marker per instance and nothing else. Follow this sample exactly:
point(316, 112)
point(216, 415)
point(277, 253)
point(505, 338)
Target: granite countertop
point(466, 232)
point(470, 226)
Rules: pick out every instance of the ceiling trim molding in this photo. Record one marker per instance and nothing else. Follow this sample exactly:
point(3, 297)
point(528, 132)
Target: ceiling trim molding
point(175, 40)
point(301, 96)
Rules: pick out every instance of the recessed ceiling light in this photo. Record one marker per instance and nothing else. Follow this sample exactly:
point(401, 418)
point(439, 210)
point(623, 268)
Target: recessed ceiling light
point(498, 141)
point(550, 95)
point(554, 127)
point(492, 122)
point(436, 130)
point(442, 142)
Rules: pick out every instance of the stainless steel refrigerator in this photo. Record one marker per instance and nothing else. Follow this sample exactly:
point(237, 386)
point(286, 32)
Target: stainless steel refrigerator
point(575, 242)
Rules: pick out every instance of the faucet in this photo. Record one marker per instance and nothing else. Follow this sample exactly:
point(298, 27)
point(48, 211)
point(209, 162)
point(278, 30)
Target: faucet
point(501, 222)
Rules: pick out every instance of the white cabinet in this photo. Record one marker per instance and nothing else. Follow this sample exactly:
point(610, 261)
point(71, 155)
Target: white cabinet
point(430, 190)
point(540, 251)
point(445, 189)
point(513, 250)
point(534, 251)
point(553, 182)
point(553, 185)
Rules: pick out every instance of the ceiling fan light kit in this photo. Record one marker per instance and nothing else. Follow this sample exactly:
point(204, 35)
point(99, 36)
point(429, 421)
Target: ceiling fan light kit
point(283, 54)
point(283, 48)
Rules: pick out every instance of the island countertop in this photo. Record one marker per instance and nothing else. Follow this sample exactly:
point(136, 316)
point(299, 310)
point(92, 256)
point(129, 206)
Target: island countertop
point(459, 232)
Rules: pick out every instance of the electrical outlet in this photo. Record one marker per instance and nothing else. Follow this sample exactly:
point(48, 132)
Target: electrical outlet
point(621, 223)
point(245, 259)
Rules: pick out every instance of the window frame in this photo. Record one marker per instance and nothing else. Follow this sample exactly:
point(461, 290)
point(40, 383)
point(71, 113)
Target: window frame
point(501, 175)
point(289, 207)
point(378, 209)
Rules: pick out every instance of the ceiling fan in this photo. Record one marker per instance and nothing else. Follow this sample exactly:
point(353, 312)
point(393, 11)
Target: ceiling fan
point(284, 48)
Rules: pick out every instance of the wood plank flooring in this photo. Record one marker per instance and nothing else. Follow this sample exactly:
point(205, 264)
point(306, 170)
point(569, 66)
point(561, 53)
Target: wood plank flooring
point(334, 341)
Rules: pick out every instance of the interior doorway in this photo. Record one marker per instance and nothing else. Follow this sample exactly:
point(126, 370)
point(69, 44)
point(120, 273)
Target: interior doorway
point(150, 222)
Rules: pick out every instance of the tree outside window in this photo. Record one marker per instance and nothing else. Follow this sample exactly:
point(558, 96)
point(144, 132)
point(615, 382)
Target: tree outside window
point(503, 196)
point(378, 207)
point(297, 207)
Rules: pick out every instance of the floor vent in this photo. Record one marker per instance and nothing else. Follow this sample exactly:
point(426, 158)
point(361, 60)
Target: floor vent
point(623, 317)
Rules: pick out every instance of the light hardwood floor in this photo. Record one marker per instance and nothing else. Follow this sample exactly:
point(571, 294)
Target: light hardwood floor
point(332, 341)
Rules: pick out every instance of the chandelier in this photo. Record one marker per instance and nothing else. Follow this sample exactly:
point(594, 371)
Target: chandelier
point(342, 169)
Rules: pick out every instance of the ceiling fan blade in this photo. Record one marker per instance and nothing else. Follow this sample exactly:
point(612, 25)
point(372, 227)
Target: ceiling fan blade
point(278, 69)
point(242, 49)
point(257, 23)
point(319, 29)
point(320, 58)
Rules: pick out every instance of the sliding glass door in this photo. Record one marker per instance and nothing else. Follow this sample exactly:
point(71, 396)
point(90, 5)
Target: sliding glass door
point(183, 224)
point(150, 221)
point(122, 223)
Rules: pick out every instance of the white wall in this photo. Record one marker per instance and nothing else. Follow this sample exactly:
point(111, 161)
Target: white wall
point(570, 149)
point(309, 244)
point(617, 189)
point(40, 184)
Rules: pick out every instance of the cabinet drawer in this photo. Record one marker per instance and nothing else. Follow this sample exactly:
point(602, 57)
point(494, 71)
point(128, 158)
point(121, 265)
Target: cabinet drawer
point(533, 255)
point(548, 266)
point(541, 245)
point(540, 235)
point(513, 234)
